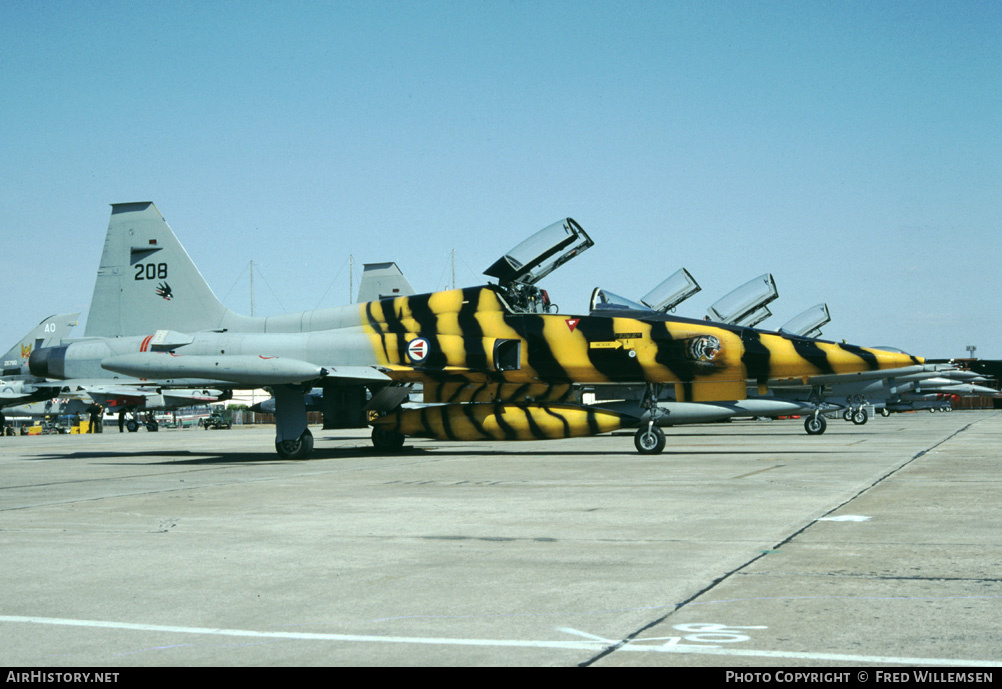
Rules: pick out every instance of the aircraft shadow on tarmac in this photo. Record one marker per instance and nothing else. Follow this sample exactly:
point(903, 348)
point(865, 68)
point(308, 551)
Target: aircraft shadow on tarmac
point(183, 457)
point(187, 457)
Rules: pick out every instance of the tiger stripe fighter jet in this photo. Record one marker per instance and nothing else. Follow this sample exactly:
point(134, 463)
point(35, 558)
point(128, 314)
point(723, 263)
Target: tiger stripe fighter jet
point(496, 362)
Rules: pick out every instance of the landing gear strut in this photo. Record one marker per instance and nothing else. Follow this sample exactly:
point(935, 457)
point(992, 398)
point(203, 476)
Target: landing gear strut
point(293, 439)
point(650, 439)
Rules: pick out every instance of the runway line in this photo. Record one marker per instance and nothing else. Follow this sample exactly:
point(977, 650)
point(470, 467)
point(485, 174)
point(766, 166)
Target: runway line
point(589, 644)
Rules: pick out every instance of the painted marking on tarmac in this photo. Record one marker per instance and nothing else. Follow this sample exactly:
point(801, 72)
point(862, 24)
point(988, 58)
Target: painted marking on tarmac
point(586, 644)
point(845, 518)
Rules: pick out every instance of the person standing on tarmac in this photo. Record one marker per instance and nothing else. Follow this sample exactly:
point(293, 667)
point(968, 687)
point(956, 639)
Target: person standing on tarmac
point(94, 410)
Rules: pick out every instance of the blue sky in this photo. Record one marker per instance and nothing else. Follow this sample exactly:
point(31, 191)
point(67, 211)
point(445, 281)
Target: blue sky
point(852, 149)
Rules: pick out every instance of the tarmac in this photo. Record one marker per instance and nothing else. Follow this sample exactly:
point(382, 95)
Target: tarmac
point(745, 544)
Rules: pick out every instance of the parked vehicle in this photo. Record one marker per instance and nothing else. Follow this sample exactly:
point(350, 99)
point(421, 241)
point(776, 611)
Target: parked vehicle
point(220, 418)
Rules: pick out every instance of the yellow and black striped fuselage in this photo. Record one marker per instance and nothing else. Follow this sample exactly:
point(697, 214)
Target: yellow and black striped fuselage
point(456, 341)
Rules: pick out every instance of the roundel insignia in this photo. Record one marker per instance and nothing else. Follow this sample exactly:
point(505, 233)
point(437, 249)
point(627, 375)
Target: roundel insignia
point(418, 349)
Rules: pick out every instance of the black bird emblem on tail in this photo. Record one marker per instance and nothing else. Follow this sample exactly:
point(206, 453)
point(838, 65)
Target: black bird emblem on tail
point(164, 290)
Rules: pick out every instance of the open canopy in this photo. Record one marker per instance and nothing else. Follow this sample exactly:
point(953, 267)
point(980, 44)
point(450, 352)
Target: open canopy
point(541, 254)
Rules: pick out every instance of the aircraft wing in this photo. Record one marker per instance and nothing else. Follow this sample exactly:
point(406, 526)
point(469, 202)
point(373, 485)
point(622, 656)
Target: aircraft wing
point(862, 376)
point(907, 377)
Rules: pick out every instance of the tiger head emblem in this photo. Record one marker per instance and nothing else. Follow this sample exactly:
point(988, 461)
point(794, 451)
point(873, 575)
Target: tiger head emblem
point(703, 350)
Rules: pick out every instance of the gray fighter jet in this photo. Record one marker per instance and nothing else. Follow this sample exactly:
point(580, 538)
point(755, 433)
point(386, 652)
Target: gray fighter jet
point(17, 385)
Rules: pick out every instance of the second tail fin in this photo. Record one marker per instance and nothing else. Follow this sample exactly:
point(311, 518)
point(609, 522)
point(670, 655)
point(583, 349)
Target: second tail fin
point(45, 334)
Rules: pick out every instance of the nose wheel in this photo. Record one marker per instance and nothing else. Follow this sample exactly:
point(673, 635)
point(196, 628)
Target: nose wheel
point(815, 424)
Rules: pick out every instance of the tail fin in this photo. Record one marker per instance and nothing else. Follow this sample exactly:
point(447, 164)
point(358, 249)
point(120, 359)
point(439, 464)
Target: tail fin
point(45, 334)
point(147, 281)
point(383, 280)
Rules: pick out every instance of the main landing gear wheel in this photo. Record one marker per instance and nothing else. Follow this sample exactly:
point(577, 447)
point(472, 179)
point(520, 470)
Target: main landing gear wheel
point(650, 440)
point(132, 425)
point(815, 424)
point(884, 412)
point(295, 449)
point(389, 441)
point(860, 417)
